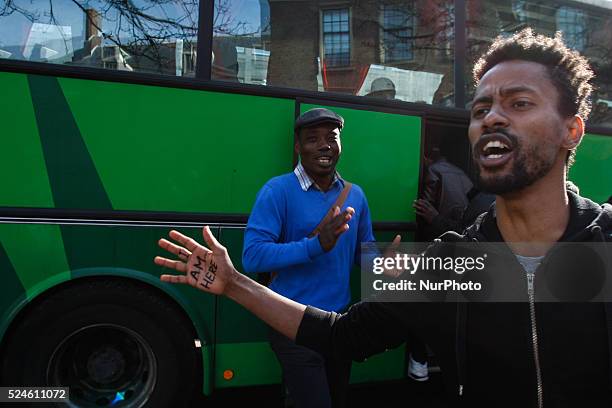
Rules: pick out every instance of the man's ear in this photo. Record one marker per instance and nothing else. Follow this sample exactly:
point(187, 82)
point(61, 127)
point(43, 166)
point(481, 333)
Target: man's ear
point(296, 144)
point(575, 132)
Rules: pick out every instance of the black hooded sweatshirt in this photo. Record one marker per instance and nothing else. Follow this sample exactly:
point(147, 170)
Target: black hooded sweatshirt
point(486, 350)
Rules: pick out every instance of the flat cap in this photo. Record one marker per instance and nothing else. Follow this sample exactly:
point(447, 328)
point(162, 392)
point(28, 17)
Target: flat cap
point(317, 116)
point(382, 84)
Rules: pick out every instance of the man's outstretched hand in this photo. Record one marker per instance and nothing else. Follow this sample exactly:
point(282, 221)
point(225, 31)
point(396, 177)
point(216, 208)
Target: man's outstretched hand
point(209, 270)
point(391, 252)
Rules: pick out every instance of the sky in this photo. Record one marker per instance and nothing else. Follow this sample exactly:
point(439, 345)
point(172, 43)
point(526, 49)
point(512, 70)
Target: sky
point(14, 29)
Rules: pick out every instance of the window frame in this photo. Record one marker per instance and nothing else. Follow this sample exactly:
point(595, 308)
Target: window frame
point(577, 14)
point(331, 7)
point(383, 30)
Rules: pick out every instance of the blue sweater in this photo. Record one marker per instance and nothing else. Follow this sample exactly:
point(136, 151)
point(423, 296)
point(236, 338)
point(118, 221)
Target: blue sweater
point(276, 241)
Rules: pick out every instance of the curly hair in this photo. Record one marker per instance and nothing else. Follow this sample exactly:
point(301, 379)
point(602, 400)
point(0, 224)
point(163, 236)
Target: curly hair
point(569, 71)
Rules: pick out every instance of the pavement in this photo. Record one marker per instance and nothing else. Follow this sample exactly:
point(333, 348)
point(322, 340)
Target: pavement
point(401, 393)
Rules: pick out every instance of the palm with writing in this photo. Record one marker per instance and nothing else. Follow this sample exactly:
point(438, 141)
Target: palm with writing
point(209, 270)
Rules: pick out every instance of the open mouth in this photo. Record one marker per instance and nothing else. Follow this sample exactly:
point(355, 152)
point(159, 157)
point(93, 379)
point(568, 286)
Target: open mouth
point(324, 160)
point(494, 150)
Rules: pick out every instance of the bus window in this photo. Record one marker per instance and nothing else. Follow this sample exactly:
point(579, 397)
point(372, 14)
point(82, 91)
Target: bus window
point(396, 49)
point(586, 28)
point(140, 35)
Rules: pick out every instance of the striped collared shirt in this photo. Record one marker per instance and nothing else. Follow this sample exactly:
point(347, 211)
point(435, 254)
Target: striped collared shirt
point(306, 181)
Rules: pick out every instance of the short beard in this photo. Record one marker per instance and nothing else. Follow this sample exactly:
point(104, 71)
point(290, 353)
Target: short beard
point(520, 176)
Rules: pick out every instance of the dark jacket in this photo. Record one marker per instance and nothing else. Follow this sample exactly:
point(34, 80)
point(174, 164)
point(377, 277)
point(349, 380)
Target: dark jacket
point(447, 188)
point(486, 350)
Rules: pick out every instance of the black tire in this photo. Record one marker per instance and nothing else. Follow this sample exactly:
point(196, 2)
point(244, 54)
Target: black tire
point(106, 335)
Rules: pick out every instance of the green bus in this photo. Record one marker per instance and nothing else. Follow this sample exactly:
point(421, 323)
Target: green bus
point(107, 106)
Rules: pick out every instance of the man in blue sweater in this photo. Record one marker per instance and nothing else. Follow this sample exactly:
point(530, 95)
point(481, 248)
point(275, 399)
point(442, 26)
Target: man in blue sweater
point(311, 268)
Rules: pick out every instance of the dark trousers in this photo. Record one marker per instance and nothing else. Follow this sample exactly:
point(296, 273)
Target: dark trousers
point(418, 349)
point(312, 381)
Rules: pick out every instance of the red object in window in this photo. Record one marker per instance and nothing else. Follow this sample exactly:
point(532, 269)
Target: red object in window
point(347, 79)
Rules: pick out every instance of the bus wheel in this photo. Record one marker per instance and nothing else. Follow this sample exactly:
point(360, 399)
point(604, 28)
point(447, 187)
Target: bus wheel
point(114, 343)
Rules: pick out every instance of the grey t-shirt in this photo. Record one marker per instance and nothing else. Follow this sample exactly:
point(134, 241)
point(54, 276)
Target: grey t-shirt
point(529, 263)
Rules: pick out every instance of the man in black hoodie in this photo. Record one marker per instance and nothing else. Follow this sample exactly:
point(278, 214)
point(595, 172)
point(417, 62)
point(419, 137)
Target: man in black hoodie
point(526, 121)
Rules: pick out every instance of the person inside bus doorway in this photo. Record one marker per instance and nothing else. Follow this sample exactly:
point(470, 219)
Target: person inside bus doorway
point(527, 120)
point(297, 232)
point(445, 196)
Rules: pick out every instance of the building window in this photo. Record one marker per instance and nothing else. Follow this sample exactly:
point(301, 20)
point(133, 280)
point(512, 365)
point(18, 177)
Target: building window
point(519, 10)
point(336, 38)
point(398, 30)
point(572, 23)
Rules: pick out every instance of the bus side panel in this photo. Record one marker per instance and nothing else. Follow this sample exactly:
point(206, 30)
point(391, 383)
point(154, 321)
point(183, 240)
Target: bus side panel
point(36, 252)
point(23, 175)
point(12, 291)
point(592, 171)
point(32, 259)
point(242, 340)
point(163, 149)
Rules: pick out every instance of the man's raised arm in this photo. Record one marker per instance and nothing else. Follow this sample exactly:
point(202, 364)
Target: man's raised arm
point(366, 329)
point(211, 270)
point(262, 250)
